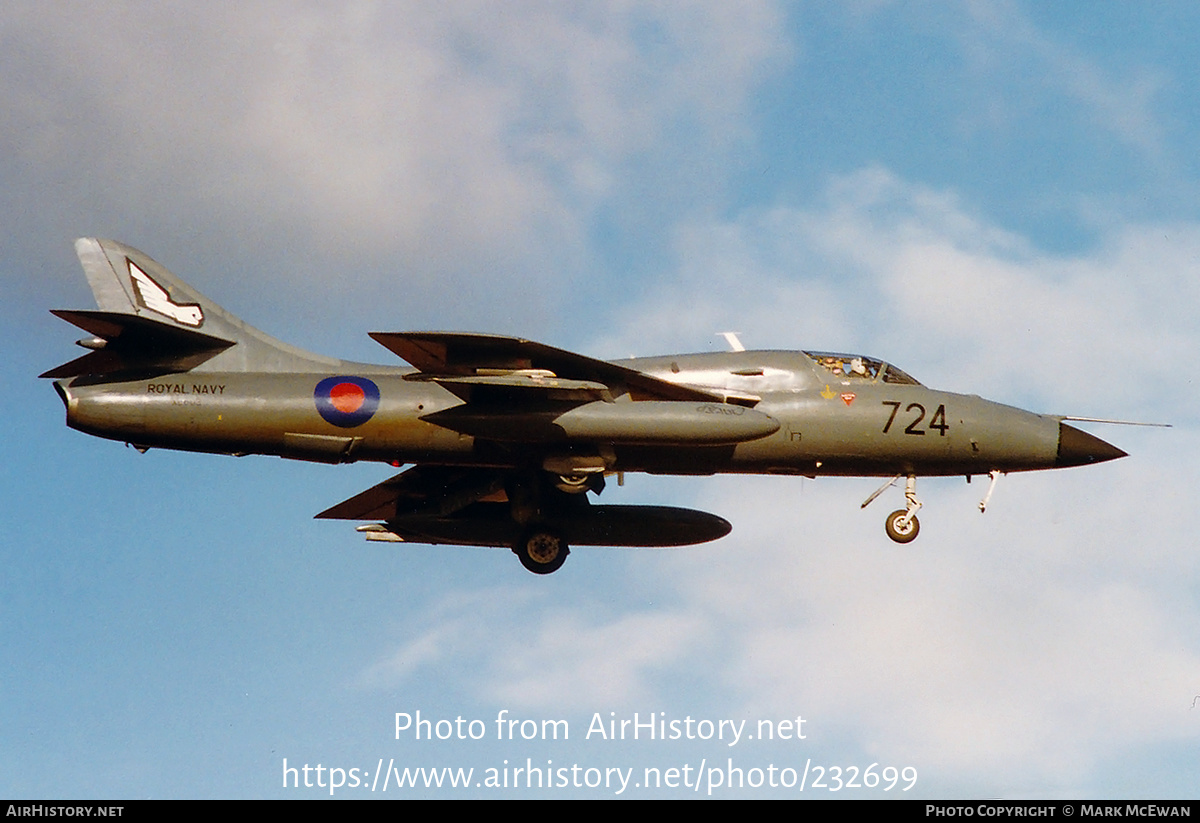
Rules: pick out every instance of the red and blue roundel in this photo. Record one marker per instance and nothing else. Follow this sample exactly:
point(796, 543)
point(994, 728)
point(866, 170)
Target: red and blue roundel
point(346, 401)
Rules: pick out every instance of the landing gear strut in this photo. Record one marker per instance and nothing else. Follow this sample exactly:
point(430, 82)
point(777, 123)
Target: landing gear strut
point(994, 475)
point(902, 525)
point(536, 503)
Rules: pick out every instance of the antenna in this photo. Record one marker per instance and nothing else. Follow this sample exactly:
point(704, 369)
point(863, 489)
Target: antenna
point(731, 337)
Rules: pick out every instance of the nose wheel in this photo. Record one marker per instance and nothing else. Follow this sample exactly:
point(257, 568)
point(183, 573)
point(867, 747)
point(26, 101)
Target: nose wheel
point(901, 525)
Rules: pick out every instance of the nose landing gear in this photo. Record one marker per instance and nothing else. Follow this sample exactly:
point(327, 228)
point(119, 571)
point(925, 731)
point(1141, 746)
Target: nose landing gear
point(902, 525)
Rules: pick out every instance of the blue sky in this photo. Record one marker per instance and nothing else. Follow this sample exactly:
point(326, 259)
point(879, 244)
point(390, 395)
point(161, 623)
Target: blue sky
point(1001, 198)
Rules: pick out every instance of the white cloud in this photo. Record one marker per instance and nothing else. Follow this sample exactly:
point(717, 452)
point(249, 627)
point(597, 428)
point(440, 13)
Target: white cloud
point(583, 663)
point(468, 137)
point(529, 651)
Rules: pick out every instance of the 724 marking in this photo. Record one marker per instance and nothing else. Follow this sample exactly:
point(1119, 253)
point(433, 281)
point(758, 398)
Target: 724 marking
point(937, 422)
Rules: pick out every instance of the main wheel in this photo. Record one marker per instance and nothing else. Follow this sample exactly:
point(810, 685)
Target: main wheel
point(541, 551)
point(572, 483)
point(902, 534)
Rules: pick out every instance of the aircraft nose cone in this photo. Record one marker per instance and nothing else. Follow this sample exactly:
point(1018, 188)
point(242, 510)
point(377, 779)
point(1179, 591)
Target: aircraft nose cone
point(1078, 448)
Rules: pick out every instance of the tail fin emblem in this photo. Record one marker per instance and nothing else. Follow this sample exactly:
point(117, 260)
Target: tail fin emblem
point(154, 297)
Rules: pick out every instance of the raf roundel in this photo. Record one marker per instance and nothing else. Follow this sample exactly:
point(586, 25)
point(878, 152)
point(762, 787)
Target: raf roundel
point(346, 401)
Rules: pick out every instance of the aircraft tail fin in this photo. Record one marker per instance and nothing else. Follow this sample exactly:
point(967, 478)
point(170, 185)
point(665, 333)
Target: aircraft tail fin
point(152, 321)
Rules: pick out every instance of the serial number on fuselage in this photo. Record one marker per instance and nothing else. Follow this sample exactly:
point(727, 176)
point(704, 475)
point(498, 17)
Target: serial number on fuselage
point(937, 422)
point(716, 408)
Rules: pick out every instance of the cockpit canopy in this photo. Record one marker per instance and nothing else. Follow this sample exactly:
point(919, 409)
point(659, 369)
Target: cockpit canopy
point(750, 374)
point(857, 367)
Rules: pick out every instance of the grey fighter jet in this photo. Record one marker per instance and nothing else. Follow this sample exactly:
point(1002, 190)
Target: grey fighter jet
point(506, 436)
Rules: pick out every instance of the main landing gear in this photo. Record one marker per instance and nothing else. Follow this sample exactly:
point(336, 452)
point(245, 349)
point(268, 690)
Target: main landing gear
point(541, 550)
point(901, 525)
point(538, 499)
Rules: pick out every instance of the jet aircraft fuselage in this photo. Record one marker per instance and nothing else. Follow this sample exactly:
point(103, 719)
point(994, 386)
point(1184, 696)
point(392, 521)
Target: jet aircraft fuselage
point(811, 424)
point(507, 435)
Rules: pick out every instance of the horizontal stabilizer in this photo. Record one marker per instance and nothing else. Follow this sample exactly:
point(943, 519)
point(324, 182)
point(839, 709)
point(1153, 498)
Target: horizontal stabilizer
point(136, 344)
point(462, 354)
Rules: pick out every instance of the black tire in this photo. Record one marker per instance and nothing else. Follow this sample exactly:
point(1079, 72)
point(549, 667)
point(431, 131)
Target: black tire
point(542, 551)
point(906, 535)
